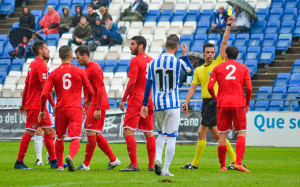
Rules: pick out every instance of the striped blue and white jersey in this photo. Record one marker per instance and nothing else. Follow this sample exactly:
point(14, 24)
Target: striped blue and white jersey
point(164, 72)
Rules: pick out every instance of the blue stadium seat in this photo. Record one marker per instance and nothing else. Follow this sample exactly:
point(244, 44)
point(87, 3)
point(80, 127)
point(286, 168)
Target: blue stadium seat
point(193, 15)
point(242, 53)
point(122, 68)
point(197, 105)
point(270, 40)
point(17, 65)
point(276, 106)
point(240, 61)
point(214, 38)
point(183, 94)
point(111, 103)
point(287, 27)
point(279, 92)
point(277, 4)
point(256, 40)
point(61, 6)
point(6, 51)
point(75, 63)
point(295, 79)
point(292, 4)
point(37, 13)
point(296, 32)
point(187, 39)
point(124, 62)
point(52, 39)
point(231, 39)
point(100, 62)
point(296, 67)
point(284, 42)
point(1, 51)
point(3, 75)
point(258, 27)
point(252, 53)
point(82, 67)
point(5, 65)
point(267, 55)
point(293, 92)
point(261, 106)
point(3, 40)
point(272, 27)
point(51, 2)
point(207, 15)
point(262, 14)
point(15, 25)
point(282, 79)
point(78, 2)
point(7, 7)
point(291, 106)
point(88, 1)
point(166, 15)
point(179, 15)
point(241, 40)
point(197, 95)
point(152, 16)
point(263, 92)
point(275, 14)
point(252, 66)
point(199, 40)
point(290, 14)
point(251, 106)
point(110, 66)
point(203, 27)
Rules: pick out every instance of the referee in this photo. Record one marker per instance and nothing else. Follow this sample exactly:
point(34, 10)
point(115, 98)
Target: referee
point(209, 109)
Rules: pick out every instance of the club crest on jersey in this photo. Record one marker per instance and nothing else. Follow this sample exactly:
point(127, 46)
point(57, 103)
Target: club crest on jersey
point(44, 75)
point(34, 126)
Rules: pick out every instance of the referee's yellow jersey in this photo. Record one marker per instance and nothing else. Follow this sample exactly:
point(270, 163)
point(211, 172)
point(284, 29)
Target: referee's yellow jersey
point(202, 74)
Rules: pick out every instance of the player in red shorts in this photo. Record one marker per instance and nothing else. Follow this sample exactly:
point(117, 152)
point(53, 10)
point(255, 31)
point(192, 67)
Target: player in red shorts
point(35, 81)
point(231, 106)
point(135, 90)
point(68, 81)
point(96, 113)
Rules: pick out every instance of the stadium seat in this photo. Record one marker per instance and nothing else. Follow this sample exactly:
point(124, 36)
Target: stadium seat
point(296, 32)
point(290, 14)
point(296, 67)
point(193, 15)
point(277, 4)
point(241, 40)
point(293, 92)
point(214, 38)
point(3, 75)
point(15, 25)
point(7, 7)
point(278, 92)
point(55, 6)
point(203, 27)
point(207, 15)
point(261, 105)
point(187, 39)
point(199, 40)
point(166, 15)
point(262, 14)
point(256, 40)
point(242, 53)
point(292, 4)
point(287, 27)
point(258, 27)
point(37, 14)
point(276, 106)
point(110, 65)
point(3, 40)
point(115, 91)
point(267, 55)
point(291, 106)
point(8, 90)
point(284, 42)
point(275, 14)
point(251, 106)
point(231, 39)
point(189, 27)
point(272, 27)
point(152, 16)
point(252, 66)
point(12, 77)
point(270, 40)
point(282, 79)
point(252, 53)
point(175, 27)
point(5, 65)
point(52, 39)
point(179, 15)
point(263, 92)
point(183, 94)
point(295, 79)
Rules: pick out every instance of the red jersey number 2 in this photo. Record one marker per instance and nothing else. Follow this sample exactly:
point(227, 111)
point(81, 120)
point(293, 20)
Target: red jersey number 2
point(229, 75)
point(66, 81)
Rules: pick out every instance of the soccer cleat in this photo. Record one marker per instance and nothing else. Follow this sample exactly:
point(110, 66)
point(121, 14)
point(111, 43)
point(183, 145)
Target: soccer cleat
point(241, 168)
point(157, 167)
point(189, 166)
point(167, 174)
point(60, 169)
point(48, 159)
point(20, 165)
point(38, 162)
point(112, 165)
point(130, 168)
point(151, 169)
point(70, 164)
point(230, 167)
point(83, 167)
point(223, 169)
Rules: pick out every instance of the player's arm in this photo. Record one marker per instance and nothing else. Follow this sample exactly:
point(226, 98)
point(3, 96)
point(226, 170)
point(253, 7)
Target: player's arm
point(185, 58)
point(98, 80)
point(226, 36)
point(129, 88)
point(248, 85)
point(189, 96)
point(87, 87)
point(211, 83)
point(24, 96)
point(44, 96)
point(144, 111)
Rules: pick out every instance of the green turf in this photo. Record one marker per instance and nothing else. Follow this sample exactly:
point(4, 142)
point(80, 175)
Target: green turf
point(269, 166)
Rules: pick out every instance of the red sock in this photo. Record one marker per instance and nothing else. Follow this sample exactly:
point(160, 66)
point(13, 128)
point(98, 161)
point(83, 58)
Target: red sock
point(89, 150)
point(48, 140)
point(222, 149)
point(151, 150)
point(74, 147)
point(104, 146)
point(240, 149)
point(24, 146)
point(59, 150)
point(131, 148)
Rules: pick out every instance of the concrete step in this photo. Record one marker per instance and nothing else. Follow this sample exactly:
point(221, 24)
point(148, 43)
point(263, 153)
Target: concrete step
point(292, 56)
point(257, 83)
point(265, 76)
point(279, 69)
point(283, 63)
point(294, 50)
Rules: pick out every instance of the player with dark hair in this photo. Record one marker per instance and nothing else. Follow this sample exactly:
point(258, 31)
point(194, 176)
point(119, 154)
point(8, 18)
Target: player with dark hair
point(34, 83)
point(68, 81)
point(231, 108)
point(135, 90)
point(209, 109)
point(163, 77)
point(96, 113)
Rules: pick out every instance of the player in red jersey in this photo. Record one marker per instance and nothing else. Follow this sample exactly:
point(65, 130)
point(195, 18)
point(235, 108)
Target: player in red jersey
point(34, 83)
point(231, 106)
point(135, 90)
point(96, 113)
point(68, 81)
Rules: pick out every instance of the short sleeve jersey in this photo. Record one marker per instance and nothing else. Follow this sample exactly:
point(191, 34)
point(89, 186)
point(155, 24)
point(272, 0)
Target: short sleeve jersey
point(231, 76)
point(138, 71)
point(95, 75)
point(37, 74)
point(202, 74)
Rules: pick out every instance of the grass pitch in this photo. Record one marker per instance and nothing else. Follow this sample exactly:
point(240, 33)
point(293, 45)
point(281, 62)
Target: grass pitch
point(269, 166)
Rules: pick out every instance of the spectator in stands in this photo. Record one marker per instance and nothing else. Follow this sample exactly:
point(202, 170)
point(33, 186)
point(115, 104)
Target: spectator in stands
point(97, 33)
point(220, 21)
point(27, 19)
point(135, 12)
point(82, 33)
point(28, 48)
point(242, 21)
point(91, 15)
point(65, 21)
point(104, 13)
point(76, 18)
point(50, 22)
point(19, 50)
point(111, 33)
point(99, 3)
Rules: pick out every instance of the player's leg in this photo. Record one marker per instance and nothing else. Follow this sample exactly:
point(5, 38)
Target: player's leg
point(38, 146)
point(222, 149)
point(161, 138)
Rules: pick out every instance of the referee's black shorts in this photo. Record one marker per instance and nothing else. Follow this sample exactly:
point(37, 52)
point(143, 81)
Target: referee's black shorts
point(209, 113)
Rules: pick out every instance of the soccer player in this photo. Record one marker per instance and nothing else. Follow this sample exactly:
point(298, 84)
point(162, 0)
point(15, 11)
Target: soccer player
point(96, 113)
point(135, 90)
point(231, 108)
point(34, 83)
point(201, 76)
point(68, 81)
point(163, 77)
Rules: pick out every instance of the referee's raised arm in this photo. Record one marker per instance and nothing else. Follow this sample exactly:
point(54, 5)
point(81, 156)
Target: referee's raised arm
point(230, 20)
